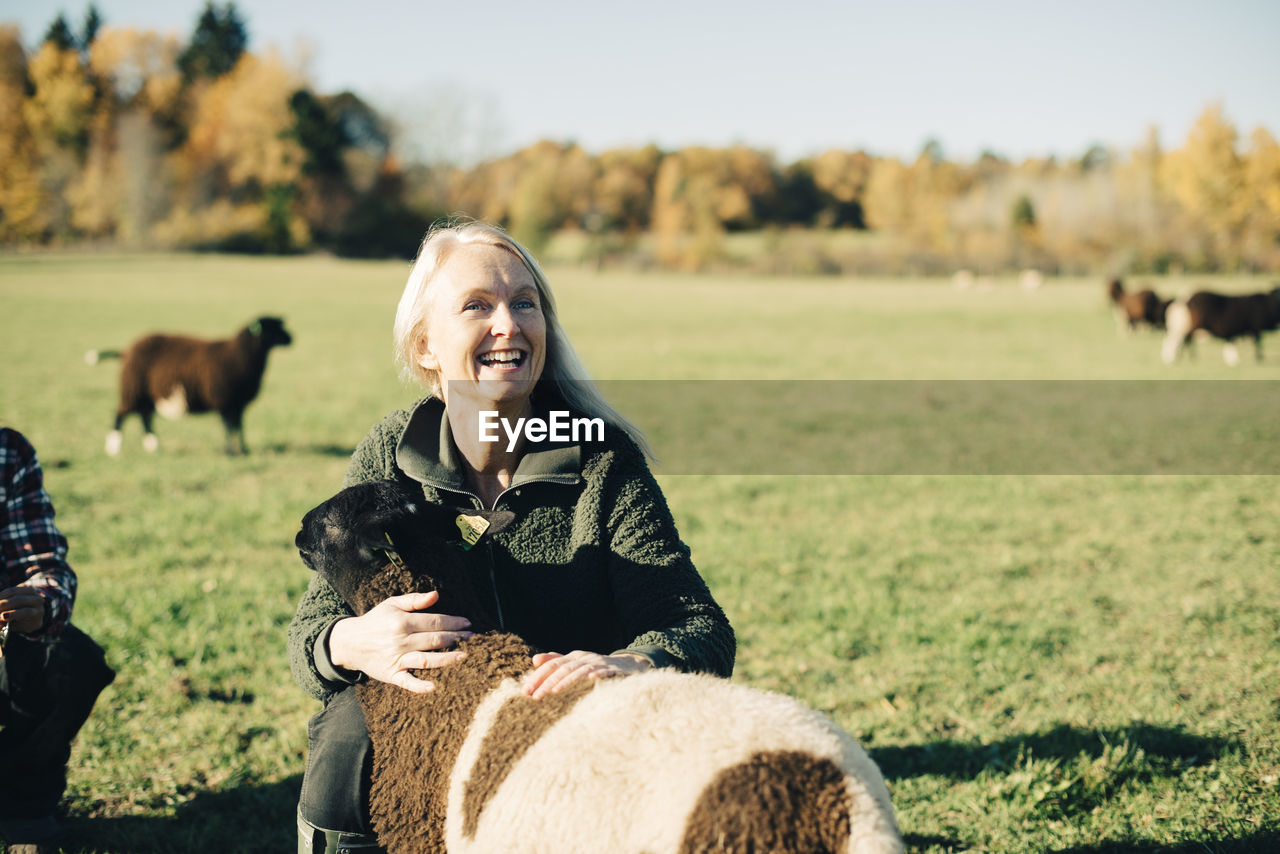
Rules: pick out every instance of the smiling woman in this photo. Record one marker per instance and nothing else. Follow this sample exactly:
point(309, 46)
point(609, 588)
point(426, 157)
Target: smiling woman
point(592, 566)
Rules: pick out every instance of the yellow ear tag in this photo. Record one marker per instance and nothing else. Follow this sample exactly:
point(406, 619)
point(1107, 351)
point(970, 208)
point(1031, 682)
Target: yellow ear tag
point(472, 528)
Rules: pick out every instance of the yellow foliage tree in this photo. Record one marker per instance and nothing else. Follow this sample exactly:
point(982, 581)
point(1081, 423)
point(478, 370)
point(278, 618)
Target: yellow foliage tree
point(238, 146)
point(138, 66)
point(21, 216)
point(1207, 177)
point(623, 188)
point(240, 122)
point(61, 106)
point(1262, 192)
point(699, 193)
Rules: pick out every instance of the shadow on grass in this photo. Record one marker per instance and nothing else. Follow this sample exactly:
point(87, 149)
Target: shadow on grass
point(1171, 749)
point(1253, 844)
point(318, 450)
point(1068, 771)
point(1265, 841)
point(917, 843)
point(245, 820)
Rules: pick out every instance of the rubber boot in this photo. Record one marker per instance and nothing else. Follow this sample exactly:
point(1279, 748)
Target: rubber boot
point(316, 840)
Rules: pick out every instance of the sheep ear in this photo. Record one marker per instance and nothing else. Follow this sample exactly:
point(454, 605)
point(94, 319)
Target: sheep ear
point(370, 549)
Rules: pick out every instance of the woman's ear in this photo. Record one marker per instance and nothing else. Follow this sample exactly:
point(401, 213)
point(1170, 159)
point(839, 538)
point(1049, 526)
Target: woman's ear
point(423, 356)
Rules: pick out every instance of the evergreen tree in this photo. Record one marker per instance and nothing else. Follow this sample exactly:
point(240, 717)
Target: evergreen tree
point(216, 45)
point(319, 134)
point(59, 34)
point(92, 23)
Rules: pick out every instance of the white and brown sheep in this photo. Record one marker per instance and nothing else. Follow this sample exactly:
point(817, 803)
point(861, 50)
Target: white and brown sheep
point(657, 762)
point(1136, 309)
point(1224, 317)
point(177, 374)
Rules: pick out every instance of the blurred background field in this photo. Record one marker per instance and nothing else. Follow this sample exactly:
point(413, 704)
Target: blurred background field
point(1065, 663)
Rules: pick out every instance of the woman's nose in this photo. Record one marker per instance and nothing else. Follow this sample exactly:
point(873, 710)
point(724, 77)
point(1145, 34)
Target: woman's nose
point(504, 322)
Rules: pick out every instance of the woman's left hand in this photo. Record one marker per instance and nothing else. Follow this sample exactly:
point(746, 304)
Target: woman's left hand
point(553, 672)
point(22, 608)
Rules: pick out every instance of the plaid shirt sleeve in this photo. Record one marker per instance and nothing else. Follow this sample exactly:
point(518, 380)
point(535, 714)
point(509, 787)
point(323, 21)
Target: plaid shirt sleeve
point(34, 550)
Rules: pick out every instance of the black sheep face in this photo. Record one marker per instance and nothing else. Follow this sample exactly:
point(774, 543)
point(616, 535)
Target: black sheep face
point(271, 331)
point(346, 540)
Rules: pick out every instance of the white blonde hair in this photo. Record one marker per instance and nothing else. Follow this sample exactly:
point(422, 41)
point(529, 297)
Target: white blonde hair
point(563, 371)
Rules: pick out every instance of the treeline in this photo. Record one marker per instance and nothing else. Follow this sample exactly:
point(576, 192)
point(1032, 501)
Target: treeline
point(136, 138)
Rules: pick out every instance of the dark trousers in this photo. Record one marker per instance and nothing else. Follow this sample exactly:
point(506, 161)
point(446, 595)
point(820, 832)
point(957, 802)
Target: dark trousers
point(47, 689)
point(335, 786)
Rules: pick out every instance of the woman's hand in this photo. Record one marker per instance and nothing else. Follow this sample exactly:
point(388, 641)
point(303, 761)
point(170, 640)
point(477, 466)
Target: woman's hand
point(22, 608)
point(554, 672)
point(392, 639)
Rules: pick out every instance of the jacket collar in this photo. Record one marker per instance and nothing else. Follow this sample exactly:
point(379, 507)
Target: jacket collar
point(427, 453)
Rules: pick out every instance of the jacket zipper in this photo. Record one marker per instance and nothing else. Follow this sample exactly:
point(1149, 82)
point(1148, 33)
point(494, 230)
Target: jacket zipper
point(493, 582)
point(488, 544)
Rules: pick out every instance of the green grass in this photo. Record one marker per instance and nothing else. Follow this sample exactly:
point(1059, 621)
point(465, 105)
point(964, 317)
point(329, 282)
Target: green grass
point(1038, 663)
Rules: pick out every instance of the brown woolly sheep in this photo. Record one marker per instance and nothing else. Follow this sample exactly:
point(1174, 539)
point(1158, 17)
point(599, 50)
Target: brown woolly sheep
point(1138, 308)
point(177, 374)
point(1224, 317)
point(658, 762)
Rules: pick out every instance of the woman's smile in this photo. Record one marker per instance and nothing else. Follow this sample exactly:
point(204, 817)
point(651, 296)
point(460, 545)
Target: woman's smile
point(503, 360)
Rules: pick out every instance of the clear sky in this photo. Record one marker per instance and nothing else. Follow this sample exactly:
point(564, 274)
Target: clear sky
point(1019, 77)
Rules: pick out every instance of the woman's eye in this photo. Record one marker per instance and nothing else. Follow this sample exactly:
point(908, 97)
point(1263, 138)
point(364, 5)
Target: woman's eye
point(525, 305)
point(473, 306)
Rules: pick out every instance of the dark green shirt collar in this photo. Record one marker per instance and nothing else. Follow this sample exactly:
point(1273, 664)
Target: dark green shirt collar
point(427, 453)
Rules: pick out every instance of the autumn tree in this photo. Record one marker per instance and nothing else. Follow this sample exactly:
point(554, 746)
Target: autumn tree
point(622, 194)
point(22, 217)
point(841, 179)
point(1262, 200)
point(700, 193)
point(1206, 177)
point(913, 202)
point(239, 165)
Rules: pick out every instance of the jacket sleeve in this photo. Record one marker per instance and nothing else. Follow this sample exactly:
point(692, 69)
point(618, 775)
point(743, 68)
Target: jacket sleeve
point(665, 605)
point(321, 606)
point(34, 550)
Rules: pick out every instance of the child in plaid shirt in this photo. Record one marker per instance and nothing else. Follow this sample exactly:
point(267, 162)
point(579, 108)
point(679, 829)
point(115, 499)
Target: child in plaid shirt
point(50, 672)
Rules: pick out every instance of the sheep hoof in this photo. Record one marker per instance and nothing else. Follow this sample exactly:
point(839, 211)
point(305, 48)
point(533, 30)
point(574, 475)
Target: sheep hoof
point(150, 443)
point(114, 440)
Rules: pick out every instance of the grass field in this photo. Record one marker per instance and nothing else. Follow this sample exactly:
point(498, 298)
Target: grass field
point(1038, 663)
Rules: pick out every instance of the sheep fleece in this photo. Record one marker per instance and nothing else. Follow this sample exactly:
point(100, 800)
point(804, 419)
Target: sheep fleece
point(624, 772)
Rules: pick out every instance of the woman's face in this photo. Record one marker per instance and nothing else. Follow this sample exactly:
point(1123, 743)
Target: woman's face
point(485, 330)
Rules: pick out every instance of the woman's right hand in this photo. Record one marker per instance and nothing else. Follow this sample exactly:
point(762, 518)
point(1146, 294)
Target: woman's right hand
point(393, 638)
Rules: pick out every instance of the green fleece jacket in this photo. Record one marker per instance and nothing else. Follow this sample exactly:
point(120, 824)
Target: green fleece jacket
point(593, 560)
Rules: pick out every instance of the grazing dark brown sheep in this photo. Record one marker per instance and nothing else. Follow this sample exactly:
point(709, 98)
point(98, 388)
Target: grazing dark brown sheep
point(1138, 308)
point(660, 761)
point(177, 374)
point(1224, 317)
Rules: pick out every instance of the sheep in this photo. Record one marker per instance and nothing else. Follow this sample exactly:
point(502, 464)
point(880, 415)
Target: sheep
point(177, 374)
point(1137, 309)
point(1224, 317)
point(657, 762)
